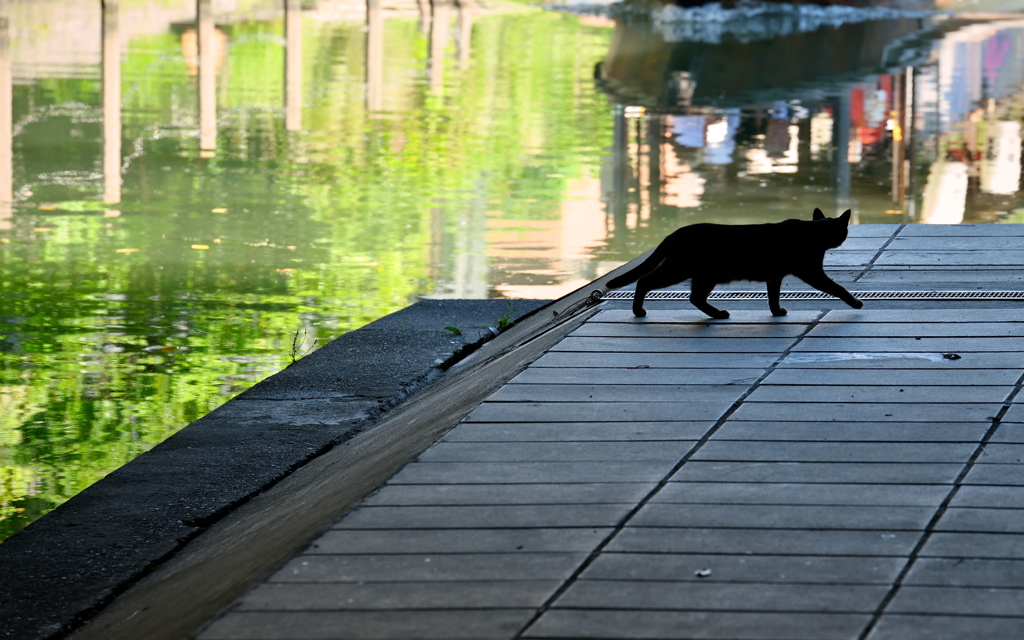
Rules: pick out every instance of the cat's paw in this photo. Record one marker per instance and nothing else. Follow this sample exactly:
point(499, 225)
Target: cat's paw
point(640, 313)
point(720, 315)
point(856, 304)
point(781, 311)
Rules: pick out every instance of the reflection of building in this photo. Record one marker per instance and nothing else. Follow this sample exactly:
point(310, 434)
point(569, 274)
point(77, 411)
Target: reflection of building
point(551, 251)
point(945, 193)
point(951, 104)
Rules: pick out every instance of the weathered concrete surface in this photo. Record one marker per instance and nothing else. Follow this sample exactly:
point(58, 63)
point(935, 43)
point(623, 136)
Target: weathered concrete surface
point(827, 475)
point(797, 504)
point(62, 568)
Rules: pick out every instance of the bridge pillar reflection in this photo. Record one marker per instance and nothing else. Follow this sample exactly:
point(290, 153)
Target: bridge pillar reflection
point(207, 79)
point(111, 104)
point(6, 121)
point(293, 65)
point(841, 152)
point(374, 56)
point(440, 12)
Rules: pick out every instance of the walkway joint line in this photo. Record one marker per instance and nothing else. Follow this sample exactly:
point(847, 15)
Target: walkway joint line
point(943, 507)
point(719, 423)
point(871, 263)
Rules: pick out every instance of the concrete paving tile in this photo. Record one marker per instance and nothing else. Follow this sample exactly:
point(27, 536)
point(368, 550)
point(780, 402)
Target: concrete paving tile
point(1001, 452)
point(448, 540)
point(776, 516)
point(963, 243)
point(878, 393)
point(876, 360)
point(436, 567)
point(961, 230)
point(845, 258)
point(530, 472)
point(485, 516)
point(831, 472)
point(555, 392)
point(715, 361)
point(482, 494)
point(958, 601)
point(853, 431)
point(685, 312)
point(946, 279)
point(863, 244)
point(649, 375)
point(1009, 432)
point(982, 519)
point(874, 230)
point(989, 496)
point(1015, 414)
point(954, 258)
point(777, 493)
point(602, 411)
point(756, 451)
point(519, 594)
point(967, 572)
point(691, 331)
point(712, 596)
point(944, 315)
point(554, 451)
point(578, 431)
point(742, 568)
point(936, 627)
point(674, 345)
point(917, 330)
point(866, 411)
point(587, 623)
point(974, 545)
point(890, 377)
point(756, 541)
point(935, 345)
point(995, 474)
point(352, 625)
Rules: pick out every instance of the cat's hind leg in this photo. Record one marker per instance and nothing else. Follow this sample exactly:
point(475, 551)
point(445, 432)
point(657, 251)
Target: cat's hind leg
point(774, 291)
point(648, 283)
point(699, 292)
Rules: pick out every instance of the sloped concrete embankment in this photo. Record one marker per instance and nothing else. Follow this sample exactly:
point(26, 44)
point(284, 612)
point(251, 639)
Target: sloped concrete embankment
point(69, 564)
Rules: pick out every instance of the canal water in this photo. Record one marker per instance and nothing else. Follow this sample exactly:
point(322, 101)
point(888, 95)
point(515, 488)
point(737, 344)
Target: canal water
point(195, 193)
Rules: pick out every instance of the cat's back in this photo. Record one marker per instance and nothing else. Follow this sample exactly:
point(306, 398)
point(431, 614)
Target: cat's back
point(717, 237)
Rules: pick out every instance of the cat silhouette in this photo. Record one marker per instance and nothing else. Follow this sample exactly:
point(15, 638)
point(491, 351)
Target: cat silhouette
point(712, 254)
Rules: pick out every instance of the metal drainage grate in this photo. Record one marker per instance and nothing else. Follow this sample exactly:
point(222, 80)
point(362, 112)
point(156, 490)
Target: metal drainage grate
point(818, 295)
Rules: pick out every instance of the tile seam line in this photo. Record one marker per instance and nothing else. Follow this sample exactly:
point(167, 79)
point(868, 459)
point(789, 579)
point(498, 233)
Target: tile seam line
point(621, 525)
point(871, 263)
point(943, 507)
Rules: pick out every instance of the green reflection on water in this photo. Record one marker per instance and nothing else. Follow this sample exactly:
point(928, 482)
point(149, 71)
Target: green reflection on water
point(121, 322)
point(516, 154)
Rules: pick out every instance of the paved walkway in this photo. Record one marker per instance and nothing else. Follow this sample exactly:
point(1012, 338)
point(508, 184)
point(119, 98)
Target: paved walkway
point(831, 474)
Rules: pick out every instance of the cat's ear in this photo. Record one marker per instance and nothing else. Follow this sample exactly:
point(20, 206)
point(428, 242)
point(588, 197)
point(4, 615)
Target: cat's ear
point(845, 218)
point(817, 215)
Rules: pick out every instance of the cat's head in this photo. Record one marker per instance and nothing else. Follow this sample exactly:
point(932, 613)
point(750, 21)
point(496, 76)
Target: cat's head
point(835, 228)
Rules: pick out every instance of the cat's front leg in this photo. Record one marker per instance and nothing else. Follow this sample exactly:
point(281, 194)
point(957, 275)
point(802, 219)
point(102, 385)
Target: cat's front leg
point(825, 284)
point(774, 291)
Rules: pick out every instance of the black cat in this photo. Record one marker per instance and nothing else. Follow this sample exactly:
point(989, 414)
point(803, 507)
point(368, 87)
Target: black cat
point(711, 254)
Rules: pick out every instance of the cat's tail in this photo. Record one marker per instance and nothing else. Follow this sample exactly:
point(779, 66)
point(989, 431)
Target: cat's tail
point(638, 271)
